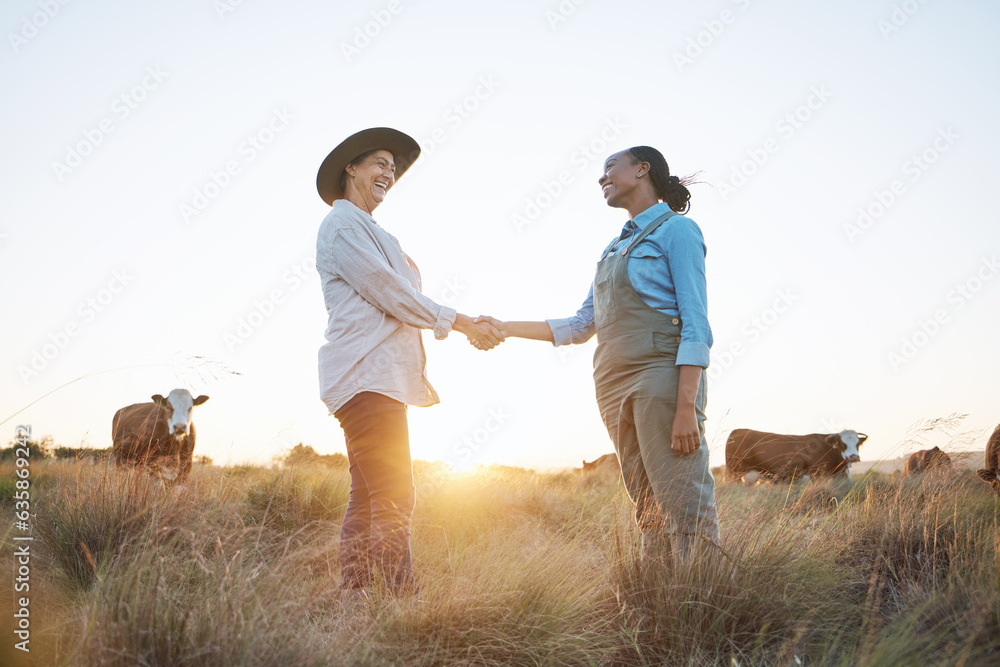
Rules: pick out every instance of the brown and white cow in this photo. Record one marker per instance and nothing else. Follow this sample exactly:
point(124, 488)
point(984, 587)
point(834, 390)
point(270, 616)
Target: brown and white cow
point(789, 456)
point(158, 435)
point(991, 473)
point(927, 460)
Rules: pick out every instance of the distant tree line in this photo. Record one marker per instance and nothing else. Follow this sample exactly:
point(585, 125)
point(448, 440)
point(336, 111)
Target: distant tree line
point(37, 449)
point(305, 455)
point(45, 448)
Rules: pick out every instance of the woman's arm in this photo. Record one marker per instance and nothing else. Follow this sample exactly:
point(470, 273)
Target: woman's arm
point(686, 260)
point(685, 254)
point(570, 330)
point(529, 330)
point(686, 438)
point(370, 274)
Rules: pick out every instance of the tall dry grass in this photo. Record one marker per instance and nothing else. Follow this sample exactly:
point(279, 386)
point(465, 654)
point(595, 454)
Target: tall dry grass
point(516, 568)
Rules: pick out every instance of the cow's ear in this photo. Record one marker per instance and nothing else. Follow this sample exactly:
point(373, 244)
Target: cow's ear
point(987, 475)
point(201, 399)
point(834, 440)
point(861, 438)
point(159, 400)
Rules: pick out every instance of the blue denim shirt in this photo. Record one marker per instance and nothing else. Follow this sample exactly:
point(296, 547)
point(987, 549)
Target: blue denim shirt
point(667, 270)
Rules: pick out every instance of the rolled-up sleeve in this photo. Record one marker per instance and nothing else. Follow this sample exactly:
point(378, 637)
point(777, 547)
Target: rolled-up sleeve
point(576, 329)
point(352, 257)
point(685, 248)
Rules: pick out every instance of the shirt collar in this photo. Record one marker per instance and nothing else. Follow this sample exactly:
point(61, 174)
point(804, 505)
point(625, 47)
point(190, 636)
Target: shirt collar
point(348, 205)
point(652, 213)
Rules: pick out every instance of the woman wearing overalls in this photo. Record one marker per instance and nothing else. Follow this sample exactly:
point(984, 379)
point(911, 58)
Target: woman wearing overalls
point(648, 307)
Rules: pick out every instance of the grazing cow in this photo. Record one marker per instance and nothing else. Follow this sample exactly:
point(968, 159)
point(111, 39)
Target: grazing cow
point(158, 434)
point(991, 473)
point(607, 462)
point(790, 456)
point(927, 460)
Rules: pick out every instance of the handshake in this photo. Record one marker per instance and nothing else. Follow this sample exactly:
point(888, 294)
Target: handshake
point(484, 332)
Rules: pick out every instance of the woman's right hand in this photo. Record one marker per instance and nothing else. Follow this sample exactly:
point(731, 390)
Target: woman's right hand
point(484, 333)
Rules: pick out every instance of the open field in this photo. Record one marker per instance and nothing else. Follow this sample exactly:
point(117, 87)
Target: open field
point(517, 568)
point(962, 460)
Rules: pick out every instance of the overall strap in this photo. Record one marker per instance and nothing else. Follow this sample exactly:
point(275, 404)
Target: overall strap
point(650, 228)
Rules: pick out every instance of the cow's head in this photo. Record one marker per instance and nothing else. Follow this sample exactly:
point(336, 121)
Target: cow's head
point(991, 477)
point(178, 405)
point(847, 443)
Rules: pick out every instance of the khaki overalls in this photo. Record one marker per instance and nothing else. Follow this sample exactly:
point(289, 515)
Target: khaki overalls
point(636, 377)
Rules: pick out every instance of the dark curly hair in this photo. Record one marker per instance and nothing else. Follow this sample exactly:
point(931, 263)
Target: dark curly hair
point(668, 188)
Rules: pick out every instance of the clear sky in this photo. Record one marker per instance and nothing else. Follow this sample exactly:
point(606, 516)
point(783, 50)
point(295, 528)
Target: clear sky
point(159, 205)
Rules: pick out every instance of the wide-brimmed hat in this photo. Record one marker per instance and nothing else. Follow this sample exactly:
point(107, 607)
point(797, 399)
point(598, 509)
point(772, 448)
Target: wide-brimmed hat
point(403, 147)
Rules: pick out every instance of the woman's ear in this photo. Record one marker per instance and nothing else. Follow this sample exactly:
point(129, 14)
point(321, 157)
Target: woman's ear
point(642, 169)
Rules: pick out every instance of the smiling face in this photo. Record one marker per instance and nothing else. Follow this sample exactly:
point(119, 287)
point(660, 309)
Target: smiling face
point(623, 176)
point(370, 179)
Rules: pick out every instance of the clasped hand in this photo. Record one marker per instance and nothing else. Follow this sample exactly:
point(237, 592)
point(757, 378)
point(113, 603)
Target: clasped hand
point(485, 332)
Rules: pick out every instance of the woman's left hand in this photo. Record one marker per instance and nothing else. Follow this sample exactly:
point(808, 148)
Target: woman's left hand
point(685, 438)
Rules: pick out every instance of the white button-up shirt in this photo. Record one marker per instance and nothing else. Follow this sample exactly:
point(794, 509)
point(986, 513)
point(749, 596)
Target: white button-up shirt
point(376, 312)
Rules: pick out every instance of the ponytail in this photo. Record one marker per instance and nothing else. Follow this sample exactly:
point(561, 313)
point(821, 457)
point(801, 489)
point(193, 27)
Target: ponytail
point(669, 188)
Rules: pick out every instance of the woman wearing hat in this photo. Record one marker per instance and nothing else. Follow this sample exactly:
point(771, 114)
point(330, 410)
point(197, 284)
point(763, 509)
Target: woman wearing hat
point(372, 365)
point(649, 309)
